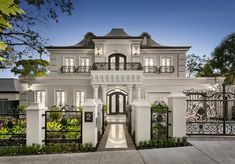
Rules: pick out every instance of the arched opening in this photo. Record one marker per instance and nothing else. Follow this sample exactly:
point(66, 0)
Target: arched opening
point(117, 62)
point(117, 100)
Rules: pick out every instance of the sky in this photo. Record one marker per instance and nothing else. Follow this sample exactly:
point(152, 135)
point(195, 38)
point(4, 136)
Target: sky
point(201, 24)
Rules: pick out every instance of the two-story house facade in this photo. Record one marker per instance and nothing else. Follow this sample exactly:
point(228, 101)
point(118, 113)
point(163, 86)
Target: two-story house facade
point(116, 68)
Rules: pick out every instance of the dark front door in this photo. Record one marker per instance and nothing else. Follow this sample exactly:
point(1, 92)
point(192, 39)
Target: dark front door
point(117, 62)
point(117, 103)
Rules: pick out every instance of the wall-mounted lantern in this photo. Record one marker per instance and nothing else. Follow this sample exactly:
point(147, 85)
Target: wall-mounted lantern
point(99, 50)
point(135, 49)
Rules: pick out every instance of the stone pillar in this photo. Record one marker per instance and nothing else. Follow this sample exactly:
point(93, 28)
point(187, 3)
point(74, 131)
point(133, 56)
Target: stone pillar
point(89, 129)
point(104, 91)
point(177, 116)
point(100, 113)
point(95, 91)
point(35, 123)
point(138, 92)
point(142, 120)
point(130, 87)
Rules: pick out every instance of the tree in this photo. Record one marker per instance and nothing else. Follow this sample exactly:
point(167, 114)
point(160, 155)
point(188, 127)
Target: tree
point(206, 71)
point(22, 40)
point(194, 64)
point(223, 58)
point(31, 68)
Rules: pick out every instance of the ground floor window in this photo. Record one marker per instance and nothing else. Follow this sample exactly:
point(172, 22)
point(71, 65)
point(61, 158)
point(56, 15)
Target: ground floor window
point(60, 97)
point(41, 97)
point(79, 98)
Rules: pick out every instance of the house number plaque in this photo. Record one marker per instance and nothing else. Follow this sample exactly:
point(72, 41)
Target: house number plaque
point(88, 116)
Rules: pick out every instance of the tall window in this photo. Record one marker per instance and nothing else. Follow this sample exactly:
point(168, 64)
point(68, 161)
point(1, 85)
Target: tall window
point(69, 63)
point(148, 62)
point(60, 97)
point(165, 63)
point(79, 98)
point(85, 62)
point(41, 97)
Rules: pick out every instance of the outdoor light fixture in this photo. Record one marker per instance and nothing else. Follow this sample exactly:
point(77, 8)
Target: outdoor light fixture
point(135, 49)
point(99, 49)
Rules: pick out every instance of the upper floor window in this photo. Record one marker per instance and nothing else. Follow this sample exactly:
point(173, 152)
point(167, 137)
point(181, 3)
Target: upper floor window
point(60, 97)
point(41, 97)
point(166, 66)
point(85, 61)
point(165, 61)
point(148, 61)
point(69, 64)
point(79, 98)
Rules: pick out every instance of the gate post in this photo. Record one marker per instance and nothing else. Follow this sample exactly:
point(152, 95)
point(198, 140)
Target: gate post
point(142, 120)
point(89, 122)
point(100, 115)
point(177, 116)
point(35, 123)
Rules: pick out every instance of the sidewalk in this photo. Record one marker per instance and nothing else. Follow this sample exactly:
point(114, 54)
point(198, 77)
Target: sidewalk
point(202, 152)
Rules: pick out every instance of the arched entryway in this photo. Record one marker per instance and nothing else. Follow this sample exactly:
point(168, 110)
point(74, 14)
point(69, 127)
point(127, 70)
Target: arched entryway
point(117, 101)
point(117, 62)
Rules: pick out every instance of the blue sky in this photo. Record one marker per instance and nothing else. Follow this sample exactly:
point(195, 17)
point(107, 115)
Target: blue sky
point(201, 24)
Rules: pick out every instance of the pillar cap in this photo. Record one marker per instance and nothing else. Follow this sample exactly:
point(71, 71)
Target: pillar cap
point(177, 94)
point(35, 106)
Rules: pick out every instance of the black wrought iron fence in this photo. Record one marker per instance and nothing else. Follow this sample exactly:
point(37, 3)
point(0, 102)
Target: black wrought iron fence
point(12, 128)
point(159, 120)
point(63, 124)
point(211, 112)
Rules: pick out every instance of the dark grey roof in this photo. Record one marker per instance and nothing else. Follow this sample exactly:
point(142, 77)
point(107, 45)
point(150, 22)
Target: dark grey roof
point(116, 33)
point(9, 85)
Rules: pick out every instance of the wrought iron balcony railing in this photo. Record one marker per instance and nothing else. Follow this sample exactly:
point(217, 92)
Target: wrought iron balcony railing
point(84, 69)
point(68, 69)
point(166, 69)
point(102, 66)
point(150, 69)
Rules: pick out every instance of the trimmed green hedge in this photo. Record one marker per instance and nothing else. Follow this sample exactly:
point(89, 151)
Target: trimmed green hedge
point(163, 143)
point(47, 149)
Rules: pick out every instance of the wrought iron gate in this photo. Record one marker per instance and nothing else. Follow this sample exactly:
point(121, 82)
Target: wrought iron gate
point(211, 112)
point(159, 120)
point(63, 124)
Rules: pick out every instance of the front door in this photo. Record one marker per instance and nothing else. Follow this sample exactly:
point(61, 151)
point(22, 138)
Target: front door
point(117, 103)
point(117, 62)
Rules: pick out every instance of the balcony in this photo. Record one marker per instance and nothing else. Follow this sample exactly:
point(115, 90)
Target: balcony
point(73, 69)
point(166, 69)
point(102, 66)
point(150, 69)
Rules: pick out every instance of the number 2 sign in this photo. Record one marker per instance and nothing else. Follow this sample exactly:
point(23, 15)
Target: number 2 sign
point(88, 116)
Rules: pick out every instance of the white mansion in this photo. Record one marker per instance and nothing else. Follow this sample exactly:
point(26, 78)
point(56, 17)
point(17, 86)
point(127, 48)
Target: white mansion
point(116, 68)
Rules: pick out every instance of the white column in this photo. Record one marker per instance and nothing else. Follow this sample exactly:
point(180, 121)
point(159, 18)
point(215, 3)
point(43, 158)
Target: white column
point(104, 92)
point(99, 117)
point(95, 91)
point(89, 129)
point(130, 87)
point(142, 120)
point(138, 91)
point(177, 116)
point(35, 122)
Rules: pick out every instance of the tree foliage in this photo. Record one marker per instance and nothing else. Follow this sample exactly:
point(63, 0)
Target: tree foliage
point(194, 64)
point(206, 71)
point(223, 58)
point(18, 30)
point(31, 68)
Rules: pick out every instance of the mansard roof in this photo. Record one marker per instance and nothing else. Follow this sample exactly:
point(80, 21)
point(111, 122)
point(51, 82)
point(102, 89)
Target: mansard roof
point(117, 33)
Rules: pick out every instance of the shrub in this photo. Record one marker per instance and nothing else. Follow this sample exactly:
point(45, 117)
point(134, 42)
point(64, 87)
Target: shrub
point(46, 149)
point(21, 108)
point(55, 113)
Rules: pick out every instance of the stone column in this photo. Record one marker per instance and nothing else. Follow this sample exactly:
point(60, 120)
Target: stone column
point(142, 120)
point(35, 123)
point(104, 91)
point(100, 115)
point(177, 116)
point(130, 87)
point(89, 124)
point(138, 91)
point(95, 91)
